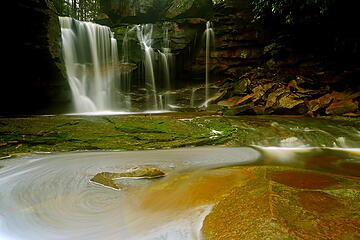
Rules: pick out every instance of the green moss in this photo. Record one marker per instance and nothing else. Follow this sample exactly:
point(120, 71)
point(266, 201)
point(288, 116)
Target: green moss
point(103, 179)
point(69, 133)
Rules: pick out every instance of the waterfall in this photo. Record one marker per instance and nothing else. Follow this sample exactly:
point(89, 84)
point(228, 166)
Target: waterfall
point(90, 55)
point(210, 42)
point(144, 34)
point(166, 63)
point(125, 73)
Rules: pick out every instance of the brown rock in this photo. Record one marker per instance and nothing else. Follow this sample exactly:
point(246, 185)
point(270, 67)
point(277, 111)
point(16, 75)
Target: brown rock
point(302, 180)
point(261, 208)
point(245, 99)
point(342, 107)
point(230, 102)
point(273, 97)
point(244, 53)
point(261, 90)
point(319, 104)
point(290, 102)
point(316, 201)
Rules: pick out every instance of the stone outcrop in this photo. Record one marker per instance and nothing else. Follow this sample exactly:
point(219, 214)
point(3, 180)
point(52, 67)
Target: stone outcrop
point(265, 92)
point(239, 43)
point(147, 11)
point(35, 79)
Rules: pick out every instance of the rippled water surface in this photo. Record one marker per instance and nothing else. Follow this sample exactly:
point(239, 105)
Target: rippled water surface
point(49, 196)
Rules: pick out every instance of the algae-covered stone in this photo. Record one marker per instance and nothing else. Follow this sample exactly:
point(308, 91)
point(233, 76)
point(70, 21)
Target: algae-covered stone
point(141, 173)
point(104, 179)
point(107, 178)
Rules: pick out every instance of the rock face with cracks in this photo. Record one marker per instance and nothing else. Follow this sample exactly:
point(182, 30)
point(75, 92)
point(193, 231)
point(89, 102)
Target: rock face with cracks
point(286, 203)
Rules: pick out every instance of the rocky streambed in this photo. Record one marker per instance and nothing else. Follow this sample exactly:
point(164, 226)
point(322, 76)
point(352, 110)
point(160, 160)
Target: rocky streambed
point(207, 193)
point(273, 177)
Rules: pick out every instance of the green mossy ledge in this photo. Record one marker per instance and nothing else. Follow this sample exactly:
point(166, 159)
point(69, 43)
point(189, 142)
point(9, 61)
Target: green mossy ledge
point(143, 132)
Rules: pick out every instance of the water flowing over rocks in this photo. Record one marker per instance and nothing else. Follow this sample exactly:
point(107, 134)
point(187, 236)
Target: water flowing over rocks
point(241, 47)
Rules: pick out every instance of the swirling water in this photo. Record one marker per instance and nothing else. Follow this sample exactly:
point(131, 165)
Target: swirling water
point(49, 196)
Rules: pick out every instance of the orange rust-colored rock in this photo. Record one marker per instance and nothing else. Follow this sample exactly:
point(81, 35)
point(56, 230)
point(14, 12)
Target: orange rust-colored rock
point(318, 201)
point(266, 207)
point(303, 180)
point(334, 164)
point(342, 107)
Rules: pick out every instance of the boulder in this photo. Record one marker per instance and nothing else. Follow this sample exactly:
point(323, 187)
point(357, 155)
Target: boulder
point(334, 103)
point(318, 105)
point(341, 107)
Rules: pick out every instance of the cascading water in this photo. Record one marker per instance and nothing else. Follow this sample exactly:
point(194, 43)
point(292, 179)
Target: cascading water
point(90, 54)
point(126, 69)
point(100, 82)
point(144, 34)
point(167, 63)
point(210, 42)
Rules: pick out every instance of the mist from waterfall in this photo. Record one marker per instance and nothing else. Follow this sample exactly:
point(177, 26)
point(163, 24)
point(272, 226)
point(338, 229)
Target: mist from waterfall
point(90, 53)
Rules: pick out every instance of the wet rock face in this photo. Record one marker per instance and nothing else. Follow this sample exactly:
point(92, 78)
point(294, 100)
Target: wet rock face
point(239, 43)
point(145, 11)
point(36, 81)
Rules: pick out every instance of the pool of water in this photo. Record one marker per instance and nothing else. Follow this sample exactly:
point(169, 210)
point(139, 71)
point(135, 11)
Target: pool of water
point(50, 196)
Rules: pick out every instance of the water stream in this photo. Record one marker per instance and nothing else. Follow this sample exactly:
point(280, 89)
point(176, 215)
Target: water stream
point(210, 42)
point(144, 34)
point(49, 196)
point(90, 54)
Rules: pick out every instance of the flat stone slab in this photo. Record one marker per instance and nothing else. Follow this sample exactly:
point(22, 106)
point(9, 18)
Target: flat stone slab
point(287, 203)
point(107, 178)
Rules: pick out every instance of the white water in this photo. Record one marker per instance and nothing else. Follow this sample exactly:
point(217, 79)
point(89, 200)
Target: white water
point(100, 82)
point(125, 73)
point(158, 66)
point(167, 65)
point(49, 196)
point(210, 42)
point(144, 34)
point(90, 54)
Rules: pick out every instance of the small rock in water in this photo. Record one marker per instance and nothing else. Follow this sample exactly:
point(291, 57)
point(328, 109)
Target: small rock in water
point(141, 173)
point(107, 178)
